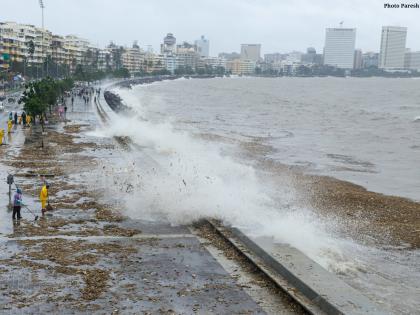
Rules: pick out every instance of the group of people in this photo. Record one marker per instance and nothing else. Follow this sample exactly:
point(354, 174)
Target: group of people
point(17, 119)
point(86, 93)
point(18, 201)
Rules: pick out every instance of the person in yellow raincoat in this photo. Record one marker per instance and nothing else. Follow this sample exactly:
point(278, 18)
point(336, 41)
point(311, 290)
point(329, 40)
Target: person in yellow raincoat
point(1, 135)
point(28, 120)
point(9, 126)
point(43, 197)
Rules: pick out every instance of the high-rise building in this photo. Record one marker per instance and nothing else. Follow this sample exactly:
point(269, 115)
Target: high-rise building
point(274, 57)
point(415, 60)
point(132, 58)
point(169, 44)
point(370, 59)
point(203, 46)
point(412, 60)
point(407, 58)
point(15, 39)
point(187, 56)
point(358, 60)
point(339, 47)
point(104, 59)
point(309, 57)
point(294, 57)
point(76, 48)
point(229, 56)
point(12, 42)
point(251, 52)
point(241, 66)
point(392, 51)
point(170, 63)
point(58, 52)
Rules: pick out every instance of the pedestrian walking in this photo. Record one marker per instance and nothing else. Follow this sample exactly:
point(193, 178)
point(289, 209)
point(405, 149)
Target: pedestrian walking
point(17, 204)
point(15, 118)
point(9, 126)
point(61, 112)
point(23, 118)
point(43, 197)
point(65, 111)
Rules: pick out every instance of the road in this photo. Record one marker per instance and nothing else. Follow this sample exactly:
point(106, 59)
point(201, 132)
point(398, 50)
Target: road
point(9, 107)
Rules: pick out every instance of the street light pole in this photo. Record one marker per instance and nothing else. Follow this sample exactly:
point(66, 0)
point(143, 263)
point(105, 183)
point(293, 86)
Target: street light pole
point(41, 4)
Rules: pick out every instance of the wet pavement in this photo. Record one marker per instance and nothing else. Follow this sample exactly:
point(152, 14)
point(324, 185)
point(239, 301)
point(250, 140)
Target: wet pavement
point(169, 273)
point(88, 258)
point(11, 144)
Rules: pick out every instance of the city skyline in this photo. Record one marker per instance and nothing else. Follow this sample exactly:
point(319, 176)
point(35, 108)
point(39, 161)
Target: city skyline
point(73, 53)
point(273, 35)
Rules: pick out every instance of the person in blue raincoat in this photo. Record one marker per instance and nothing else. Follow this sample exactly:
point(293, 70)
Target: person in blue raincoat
point(17, 204)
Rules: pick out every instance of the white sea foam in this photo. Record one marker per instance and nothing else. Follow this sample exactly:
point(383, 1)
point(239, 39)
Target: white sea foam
point(182, 178)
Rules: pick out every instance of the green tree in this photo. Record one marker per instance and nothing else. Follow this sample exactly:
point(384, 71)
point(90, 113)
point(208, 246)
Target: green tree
point(39, 96)
point(121, 73)
point(31, 48)
point(180, 70)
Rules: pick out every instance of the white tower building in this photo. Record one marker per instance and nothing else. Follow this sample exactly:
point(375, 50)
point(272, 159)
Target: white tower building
point(392, 51)
point(203, 46)
point(339, 47)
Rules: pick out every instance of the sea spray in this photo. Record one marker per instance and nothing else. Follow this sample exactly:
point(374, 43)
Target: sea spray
point(180, 178)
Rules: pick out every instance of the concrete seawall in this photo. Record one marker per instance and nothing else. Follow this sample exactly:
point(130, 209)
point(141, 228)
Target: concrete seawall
point(127, 83)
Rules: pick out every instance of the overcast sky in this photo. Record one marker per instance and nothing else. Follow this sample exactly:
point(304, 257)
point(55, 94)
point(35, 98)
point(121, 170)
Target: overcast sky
point(279, 25)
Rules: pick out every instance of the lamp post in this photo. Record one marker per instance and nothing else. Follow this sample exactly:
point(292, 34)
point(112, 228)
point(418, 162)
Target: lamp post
point(41, 4)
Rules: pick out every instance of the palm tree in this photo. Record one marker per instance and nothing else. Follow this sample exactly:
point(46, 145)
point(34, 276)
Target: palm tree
point(73, 64)
point(95, 60)
point(144, 65)
point(149, 65)
point(47, 63)
point(31, 51)
point(107, 61)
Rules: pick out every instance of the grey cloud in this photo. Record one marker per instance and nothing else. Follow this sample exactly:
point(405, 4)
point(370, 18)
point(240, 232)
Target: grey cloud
point(279, 25)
